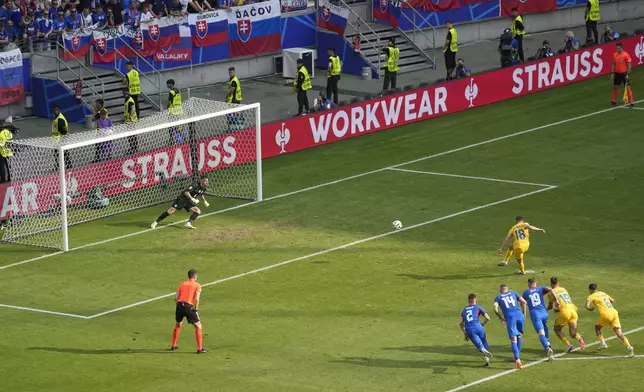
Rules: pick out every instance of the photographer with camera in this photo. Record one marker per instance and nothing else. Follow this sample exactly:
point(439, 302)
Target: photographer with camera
point(462, 70)
point(570, 43)
point(544, 51)
point(508, 48)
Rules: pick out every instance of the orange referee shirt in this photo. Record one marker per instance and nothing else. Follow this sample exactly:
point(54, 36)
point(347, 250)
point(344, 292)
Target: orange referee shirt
point(188, 291)
point(621, 62)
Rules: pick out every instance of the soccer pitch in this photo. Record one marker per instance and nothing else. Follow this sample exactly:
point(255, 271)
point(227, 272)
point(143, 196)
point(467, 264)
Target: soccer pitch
point(312, 290)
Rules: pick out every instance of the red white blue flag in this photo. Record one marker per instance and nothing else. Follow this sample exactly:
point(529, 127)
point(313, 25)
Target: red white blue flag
point(12, 88)
point(181, 51)
point(527, 6)
point(254, 29)
point(332, 17)
point(77, 43)
point(209, 28)
point(159, 33)
point(387, 10)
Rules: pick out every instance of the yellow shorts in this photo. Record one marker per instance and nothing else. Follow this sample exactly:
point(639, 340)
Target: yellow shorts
point(520, 250)
point(566, 317)
point(611, 319)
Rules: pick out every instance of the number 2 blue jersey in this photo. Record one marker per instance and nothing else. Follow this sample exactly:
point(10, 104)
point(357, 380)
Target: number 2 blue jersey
point(509, 303)
point(471, 315)
point(534, 298)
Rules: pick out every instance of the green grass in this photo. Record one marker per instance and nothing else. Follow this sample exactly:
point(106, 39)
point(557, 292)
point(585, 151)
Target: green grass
point(380, 315)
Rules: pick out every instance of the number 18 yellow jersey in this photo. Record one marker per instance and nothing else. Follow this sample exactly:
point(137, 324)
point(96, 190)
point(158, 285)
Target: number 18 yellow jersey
point(520, 235)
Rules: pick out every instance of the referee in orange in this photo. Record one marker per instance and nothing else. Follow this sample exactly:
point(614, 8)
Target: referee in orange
point(187, 300)
point(621, 75)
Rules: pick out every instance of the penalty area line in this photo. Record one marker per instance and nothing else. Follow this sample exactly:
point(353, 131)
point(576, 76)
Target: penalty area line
point(470, 177)
point(44, 311)
point(307, 189)
point(597, 358)
point(535, 363)
point(323, 252)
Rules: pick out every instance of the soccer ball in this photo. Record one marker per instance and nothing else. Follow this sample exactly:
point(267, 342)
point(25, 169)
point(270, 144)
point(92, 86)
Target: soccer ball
point(397, 224)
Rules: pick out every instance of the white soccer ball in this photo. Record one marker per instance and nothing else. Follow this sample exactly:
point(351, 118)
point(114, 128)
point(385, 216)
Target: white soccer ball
point(397, 224)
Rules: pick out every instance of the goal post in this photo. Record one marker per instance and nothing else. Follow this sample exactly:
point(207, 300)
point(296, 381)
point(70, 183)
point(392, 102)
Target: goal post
point(95, 174)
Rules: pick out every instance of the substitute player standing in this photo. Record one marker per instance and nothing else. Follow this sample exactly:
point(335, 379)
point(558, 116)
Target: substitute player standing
point(538, 313)
point(511, 305)
point(566, 314)
point(187, 300)
point(473, 328)
point(607, 316)
point(621, 75)
point(187, 200)
point(520, 234)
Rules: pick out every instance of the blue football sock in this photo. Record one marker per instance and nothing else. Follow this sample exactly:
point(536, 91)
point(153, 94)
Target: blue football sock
point(519, 342)
point(487, 346)
point(545, 328)
point(515, 350)
point(544, 341)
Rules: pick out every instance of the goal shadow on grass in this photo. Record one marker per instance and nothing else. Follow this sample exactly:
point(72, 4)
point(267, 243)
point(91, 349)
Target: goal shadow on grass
point(469, 350)
point(438, 366)
point(454, 277)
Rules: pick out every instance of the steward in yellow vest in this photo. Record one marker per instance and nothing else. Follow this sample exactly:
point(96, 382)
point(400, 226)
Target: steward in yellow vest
point(592, 17)
point(133, 84)
point(234, 87)
point(60, 127)
point(518, 31)
point(301, 85)
point(333, 75)
point(450, 47)
point(129, 109)
point(7, 131)
point(175, 105)
point(391, 68)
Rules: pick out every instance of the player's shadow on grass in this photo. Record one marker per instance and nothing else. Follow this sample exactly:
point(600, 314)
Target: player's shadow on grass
point(437, 365)
point(462, 350)
point(452, 277)
point(117, 351)
point(143, 225)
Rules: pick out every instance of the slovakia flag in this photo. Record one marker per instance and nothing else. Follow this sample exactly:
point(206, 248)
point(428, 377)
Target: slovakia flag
point(76, 43)
point(208, 28)
point(178, 52)
point(440, 5)
point(255, 29)
point(332, 17)
point(527, 6)
point(387, 10)
point(105, 41)
point(159, 33)
point(12, 87)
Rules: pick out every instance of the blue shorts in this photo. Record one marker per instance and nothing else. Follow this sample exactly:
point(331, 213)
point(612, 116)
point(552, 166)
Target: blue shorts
point(476, 335)
point(539, 320)
point(515, 325)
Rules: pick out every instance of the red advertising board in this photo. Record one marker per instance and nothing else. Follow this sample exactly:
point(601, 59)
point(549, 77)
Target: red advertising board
point(421, 104)
point(129, 173)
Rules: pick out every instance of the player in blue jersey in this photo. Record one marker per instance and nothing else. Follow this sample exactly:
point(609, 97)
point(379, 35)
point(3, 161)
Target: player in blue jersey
point(473, 328)
point(513, 309)
point(538, 313)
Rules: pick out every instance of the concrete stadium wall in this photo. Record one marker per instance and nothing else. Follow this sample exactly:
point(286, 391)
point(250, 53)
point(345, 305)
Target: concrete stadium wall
point(536, 23)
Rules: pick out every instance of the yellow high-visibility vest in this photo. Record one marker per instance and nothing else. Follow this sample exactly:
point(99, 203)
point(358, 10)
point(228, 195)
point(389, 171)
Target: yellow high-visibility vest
point(133, 82)
point(306, 84)
point(453, 45)
point(593, 14)
point(516, 32)
point(336, 65)
point(176, 105)
point(392, 59)
point(54, 126)
point(237, 92)
point(5, 136)
point(127, 117)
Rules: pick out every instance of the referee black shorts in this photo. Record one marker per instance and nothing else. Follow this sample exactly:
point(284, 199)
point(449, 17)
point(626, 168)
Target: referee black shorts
point(620, 78)
point(187, 311)
point(182, 204)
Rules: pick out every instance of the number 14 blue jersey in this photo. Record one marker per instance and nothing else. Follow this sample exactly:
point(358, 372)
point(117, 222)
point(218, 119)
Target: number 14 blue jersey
point(509, 304)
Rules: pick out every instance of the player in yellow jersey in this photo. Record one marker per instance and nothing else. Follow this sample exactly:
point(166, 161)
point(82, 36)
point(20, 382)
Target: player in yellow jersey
point(520, 234)
point(607, 315)
point(566, 314)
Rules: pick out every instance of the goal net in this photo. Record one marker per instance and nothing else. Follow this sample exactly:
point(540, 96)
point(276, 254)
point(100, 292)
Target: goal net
point(128, 167)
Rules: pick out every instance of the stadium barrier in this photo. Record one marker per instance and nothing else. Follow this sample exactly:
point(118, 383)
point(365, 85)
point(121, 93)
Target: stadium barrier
point(408, 107)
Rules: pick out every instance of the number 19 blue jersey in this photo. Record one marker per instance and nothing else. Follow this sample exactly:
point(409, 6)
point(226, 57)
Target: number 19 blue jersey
point(509, 303)
point(534, 298)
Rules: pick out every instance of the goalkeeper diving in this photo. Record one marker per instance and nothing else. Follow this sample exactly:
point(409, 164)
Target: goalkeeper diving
point(188, 201)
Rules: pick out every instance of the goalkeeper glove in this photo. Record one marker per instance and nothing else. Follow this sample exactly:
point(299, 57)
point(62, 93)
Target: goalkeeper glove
point(206, 203)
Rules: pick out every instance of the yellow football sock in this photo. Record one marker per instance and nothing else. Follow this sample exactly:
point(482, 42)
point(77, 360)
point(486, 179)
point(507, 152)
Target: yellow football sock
point(601, 339)
point(508, 254)
point(578, 336)
point(626, 342)
point(522, 267)
point(565, 341)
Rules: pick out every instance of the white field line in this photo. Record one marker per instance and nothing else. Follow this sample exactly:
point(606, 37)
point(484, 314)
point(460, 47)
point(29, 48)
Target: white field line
point(496, 139)
point(597, 358)
point(631, 108)
point(471, 177)
point(43, 311)
point(558, 356)
point(322, 252)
